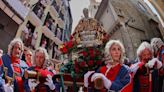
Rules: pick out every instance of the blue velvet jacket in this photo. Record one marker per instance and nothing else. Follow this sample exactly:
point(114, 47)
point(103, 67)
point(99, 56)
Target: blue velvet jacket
point(6, 59)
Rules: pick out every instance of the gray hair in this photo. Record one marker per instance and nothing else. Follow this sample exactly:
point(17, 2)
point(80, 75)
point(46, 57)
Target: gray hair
point(41, 49)
point(156, 43)
point(12, 43)
point(143, 46)
point(109, 45)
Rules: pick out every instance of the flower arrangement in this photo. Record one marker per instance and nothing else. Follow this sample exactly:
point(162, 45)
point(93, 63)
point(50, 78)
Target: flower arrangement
point(88, 58)
point(68, 47)
point(85, 48)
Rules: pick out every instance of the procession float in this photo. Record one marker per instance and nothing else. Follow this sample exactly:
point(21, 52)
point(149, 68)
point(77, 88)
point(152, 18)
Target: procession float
point(85, 51)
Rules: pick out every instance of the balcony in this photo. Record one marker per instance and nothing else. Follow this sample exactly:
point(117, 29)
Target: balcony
point(51, 35)
point(53, 11)
point(18, 7)
point(61, 15)
point(39, 11)
point(60, 23)
point(34, 19)
point(59, 2)
point(45, 2)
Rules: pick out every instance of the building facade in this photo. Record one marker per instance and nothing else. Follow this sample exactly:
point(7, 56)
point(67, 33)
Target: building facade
point(93, 7)
point(130, 21)
point(158, 4)
point(159, 7)
point(48, 25)
point(12, 14)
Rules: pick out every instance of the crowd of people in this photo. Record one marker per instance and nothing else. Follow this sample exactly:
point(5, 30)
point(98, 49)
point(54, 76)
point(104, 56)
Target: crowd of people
point(145, 74)
point(15, 72)
point(29, 37)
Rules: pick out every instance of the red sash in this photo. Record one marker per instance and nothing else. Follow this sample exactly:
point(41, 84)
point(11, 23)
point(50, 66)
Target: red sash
point(112, 73)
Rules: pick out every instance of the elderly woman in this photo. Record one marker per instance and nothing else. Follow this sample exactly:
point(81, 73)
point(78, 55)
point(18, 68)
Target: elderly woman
point(15, 66)
point(114, 74)
point(40, 58)
point(144, 69)
point(158, 46)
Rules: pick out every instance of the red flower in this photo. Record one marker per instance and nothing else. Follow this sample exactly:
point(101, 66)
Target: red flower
point(76, 63)
point(91, 52)
point(70, 44)
point(91, 62)
point(64, 44)
point(64, 50)
point(82, 64)
point(84, 53)
point(98, 52)
point(77, 69)
point(98, 62)
point(71, 37)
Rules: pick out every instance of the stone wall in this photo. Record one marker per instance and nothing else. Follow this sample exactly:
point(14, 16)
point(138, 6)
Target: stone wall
point(137, 22)
point(8, 32)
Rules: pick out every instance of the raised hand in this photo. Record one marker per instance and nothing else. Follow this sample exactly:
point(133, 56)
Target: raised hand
point(32, 84)
point(49, 82)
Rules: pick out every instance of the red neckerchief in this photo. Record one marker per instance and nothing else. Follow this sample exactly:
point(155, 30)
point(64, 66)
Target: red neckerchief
point(112, 73)
point(15, 60)
point(16, 64)
point(1, 63)
point(16, 68)
point(29, 63)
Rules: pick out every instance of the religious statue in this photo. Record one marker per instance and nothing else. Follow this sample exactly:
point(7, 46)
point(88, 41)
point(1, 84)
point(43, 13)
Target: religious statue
point(85, 12)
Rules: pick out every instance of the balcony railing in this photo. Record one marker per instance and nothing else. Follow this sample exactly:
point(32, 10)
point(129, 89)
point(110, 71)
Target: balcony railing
point(39, 11)
point(53, 11)
point(18, 6)
point(34, 19)
point(56, 6)
point(60, 22)
point(45, 2)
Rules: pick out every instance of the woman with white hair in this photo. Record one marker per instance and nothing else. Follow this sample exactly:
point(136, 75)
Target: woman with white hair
point(115, 76)
point(40, 58)
point(15, 66)
point(158, 46)
point(144, 69)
